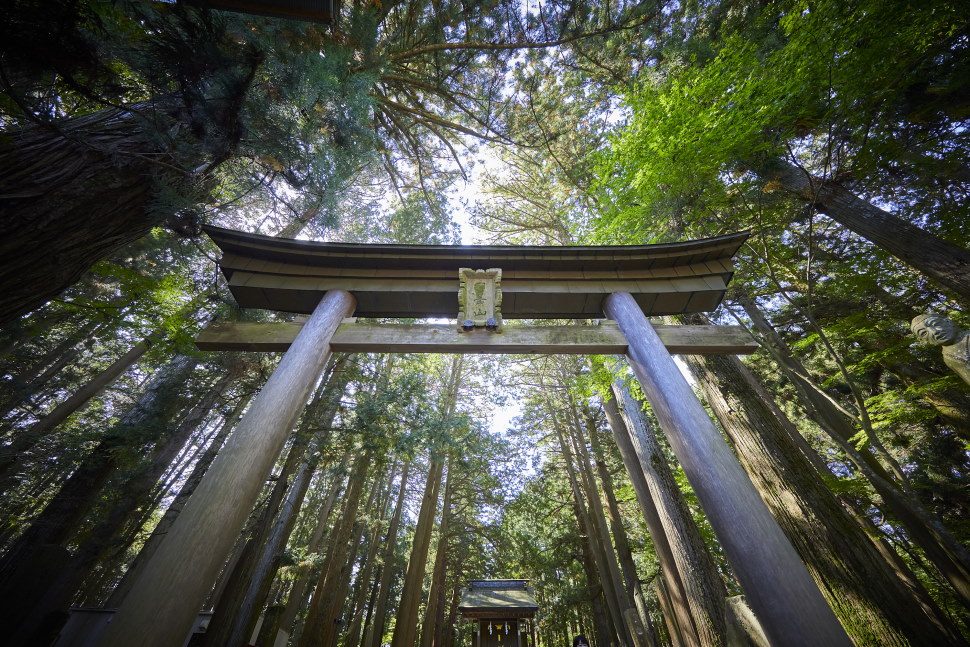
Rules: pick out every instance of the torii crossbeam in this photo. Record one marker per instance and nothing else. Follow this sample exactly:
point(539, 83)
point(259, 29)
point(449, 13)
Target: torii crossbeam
point(335, 281)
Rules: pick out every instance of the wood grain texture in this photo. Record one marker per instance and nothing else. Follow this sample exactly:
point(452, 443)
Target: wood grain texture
point(605, 339)
point(162, 605)
point(782, 594)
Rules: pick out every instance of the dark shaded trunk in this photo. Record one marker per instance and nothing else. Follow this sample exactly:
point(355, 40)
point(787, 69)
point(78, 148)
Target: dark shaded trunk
point(247, 613)
point(675, 635)
point(23, 388)
point(341, 589)
point(76, 194)
point(138, 430)
point(590, 532)
point(406, 627)
point(925, 529)
point(944, 262)
point(436, 594)
point(172, 512)
point(236, 616)
point(141, 427)
point(676, 610)
point(447, 637)
point(15, 332)
point(636, 634)
point(366, 588)
point(108, 531)
point(24, 440)
point(874, 606)
point(223, 628)
point(602, 634)
point(620, 539)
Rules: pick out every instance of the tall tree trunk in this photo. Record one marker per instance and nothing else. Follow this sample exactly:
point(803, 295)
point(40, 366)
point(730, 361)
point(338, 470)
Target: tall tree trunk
point(436, 596)
point(620, 539)
point(925, 529)
point(874, 606)
point(23, 387)
point(447, 637)
point(365, 588)
point(701, 582)
point(247, 614)
point(24, 440)
point(406, 626)
point(105, 165)
point(340, 592)
point(236, 617)
point(942, 261)
point(676, 611)
point(15, 332)
point(297, 597)
point(375, 631)
point(229, 598)
point(602, 633)
point(590, 531)
point(134, 492)
point(317, 629)
point(636, 634)
point(144, 423)
point(224, 628)
point(366, 596)
point(176, 580)
point(671, 621)
point(201, 465)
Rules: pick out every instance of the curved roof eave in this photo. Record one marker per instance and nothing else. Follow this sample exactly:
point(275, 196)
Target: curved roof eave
point(305, 252)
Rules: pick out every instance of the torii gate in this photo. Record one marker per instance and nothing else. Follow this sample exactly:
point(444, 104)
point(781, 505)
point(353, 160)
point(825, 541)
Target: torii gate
point(335, 281)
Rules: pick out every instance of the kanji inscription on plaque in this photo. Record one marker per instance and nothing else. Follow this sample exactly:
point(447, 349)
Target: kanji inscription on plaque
point(480, 299)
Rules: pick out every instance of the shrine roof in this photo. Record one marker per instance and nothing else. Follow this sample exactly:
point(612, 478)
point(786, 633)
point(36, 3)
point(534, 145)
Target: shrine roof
point(486, 597)
point(422, 280)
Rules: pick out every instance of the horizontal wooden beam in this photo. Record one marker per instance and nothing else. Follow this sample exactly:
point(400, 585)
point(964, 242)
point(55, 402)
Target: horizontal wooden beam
point(605, 339)
point(381, 296)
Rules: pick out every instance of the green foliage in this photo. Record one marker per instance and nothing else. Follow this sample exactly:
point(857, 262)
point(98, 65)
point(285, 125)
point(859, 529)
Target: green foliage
point(362, 132)
point(824, 80)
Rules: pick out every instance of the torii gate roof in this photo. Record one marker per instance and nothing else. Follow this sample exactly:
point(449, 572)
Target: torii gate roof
point(422, 280)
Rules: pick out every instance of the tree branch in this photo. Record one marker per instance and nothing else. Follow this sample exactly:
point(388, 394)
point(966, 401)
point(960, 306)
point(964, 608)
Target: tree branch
point(439, 121)
point(484, 46)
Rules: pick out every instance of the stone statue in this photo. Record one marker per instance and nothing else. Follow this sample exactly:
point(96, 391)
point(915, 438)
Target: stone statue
point(940, 331)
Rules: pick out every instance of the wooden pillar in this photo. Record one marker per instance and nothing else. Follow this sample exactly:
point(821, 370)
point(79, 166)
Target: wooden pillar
point(162, 605)
point(779, 588)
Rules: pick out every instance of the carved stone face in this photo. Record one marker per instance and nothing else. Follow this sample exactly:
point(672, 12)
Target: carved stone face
point(934, 329)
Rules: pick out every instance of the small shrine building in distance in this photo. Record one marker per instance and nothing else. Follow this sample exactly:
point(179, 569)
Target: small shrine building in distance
point(502, 610)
